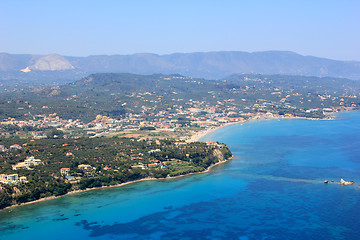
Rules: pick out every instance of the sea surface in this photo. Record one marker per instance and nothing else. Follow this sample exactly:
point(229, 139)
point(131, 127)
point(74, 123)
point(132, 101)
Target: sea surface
point(272, 189)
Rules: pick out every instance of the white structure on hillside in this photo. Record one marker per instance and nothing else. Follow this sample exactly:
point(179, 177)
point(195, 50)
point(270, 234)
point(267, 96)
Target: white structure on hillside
point(11, 178)
point(28, 162)
point(31, 161)
point(85, 167)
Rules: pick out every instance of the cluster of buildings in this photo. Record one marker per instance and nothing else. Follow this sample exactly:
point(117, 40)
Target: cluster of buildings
point(161, 118)
point(155, 111)
point(45, 121)
point(14, 146)
point(11, 178)
point(28, 162)
point(83, 167)
point(152, 164)
point(151, 112)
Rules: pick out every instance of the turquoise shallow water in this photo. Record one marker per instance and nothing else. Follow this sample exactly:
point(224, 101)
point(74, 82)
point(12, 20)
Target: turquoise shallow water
point(272, 189)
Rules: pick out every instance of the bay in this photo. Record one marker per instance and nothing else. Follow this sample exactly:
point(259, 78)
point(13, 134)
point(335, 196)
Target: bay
point(272, 189)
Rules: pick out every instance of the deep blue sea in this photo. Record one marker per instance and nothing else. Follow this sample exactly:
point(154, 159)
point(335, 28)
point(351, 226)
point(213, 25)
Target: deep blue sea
point(272, 189)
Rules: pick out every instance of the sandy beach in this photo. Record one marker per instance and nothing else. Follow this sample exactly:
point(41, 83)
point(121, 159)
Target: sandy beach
point(196, 136)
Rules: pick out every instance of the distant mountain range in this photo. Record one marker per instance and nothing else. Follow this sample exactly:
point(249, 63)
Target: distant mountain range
point(210, 65)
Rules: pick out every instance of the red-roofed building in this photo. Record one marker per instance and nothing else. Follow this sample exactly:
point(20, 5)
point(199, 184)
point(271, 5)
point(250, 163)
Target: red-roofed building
point(15, 146)
point(64, 171)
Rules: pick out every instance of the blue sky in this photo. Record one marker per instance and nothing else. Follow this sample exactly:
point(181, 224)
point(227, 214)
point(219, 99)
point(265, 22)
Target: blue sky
point(323, 28)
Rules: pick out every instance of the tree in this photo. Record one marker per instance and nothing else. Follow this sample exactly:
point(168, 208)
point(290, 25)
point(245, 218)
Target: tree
point(5, 200)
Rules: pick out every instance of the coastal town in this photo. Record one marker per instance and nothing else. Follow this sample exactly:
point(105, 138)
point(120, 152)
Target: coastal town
point(72, 143)
point(189, 117)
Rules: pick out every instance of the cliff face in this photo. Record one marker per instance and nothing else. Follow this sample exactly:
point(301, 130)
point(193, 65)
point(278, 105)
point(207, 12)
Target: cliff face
point(218, 155)
point(221, 154)
point(51, 62)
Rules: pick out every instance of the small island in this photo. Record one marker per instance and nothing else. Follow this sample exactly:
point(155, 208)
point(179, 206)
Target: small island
point(341, 182)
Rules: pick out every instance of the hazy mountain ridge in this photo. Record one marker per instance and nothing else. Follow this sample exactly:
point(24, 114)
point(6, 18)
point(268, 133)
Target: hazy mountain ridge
point(211, 65)
point(287, 82)
point(127, 82)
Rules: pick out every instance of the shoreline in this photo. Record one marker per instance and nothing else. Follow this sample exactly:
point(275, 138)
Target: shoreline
point(116, 185)
point(196, 136)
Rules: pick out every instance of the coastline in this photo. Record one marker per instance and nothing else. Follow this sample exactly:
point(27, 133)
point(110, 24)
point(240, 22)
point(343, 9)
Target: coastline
point(116, 185)
point(196, 136)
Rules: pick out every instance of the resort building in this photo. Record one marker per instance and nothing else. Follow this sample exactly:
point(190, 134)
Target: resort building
point(30, 161)
point(19, 166)
point(23, 179)
point(4, 180)
point(85, 167)
point(154, 151)
point(12, 178)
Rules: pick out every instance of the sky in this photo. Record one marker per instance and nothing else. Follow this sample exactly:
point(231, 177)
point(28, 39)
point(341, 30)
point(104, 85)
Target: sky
point(322, 28)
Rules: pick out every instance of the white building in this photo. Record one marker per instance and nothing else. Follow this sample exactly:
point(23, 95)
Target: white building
point(31, 161)
point(8, 179)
